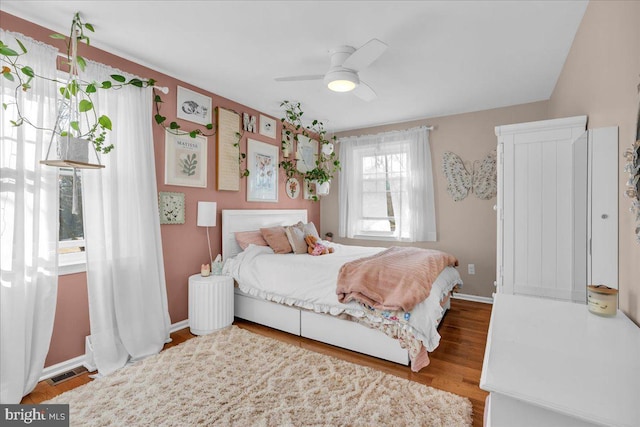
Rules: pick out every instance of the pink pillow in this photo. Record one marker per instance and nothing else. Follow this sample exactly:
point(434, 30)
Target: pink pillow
point(277, 239)
point(245, 238)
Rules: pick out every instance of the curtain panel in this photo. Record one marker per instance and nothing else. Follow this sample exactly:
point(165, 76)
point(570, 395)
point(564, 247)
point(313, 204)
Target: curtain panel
point(418, 220)
point(28, 225)
point(125, 268)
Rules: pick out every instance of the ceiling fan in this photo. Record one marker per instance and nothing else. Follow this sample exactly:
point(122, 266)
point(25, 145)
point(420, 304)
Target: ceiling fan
point(346, 62)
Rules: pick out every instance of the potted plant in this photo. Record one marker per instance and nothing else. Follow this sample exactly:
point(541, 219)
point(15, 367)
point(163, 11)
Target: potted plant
point(77, 125)
point(327, 163)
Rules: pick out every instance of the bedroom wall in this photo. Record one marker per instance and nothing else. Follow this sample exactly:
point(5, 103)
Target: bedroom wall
point(600, 78)
point(467, 228)
point(184, 246)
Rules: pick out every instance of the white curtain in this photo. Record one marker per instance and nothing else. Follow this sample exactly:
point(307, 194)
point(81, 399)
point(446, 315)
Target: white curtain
point(418, 222)
point(28, 226)
point(125, 271)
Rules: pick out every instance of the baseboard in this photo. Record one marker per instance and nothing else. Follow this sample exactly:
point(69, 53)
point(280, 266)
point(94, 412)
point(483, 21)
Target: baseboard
point(67, 365)
point(475, 298)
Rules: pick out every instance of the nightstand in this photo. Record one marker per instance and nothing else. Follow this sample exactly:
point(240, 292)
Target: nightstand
point(210, 303)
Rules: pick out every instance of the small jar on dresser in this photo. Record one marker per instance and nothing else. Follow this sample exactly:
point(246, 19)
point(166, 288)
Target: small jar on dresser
point(210, 303)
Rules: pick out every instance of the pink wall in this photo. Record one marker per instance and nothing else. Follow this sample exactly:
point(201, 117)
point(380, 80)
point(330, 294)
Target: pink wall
point(184, 246)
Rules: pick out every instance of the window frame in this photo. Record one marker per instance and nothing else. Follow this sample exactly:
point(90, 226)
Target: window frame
point(73, 262)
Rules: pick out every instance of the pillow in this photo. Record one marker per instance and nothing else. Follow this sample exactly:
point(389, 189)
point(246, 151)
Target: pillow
point(295, 235)
point(245, 238)
point(277, 239)
point(309, 229)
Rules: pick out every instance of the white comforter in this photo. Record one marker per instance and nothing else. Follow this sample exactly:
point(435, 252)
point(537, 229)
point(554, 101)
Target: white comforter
point(309, 282)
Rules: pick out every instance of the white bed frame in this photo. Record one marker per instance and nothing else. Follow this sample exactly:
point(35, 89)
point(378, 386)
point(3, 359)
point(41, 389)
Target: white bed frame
point(320, 327)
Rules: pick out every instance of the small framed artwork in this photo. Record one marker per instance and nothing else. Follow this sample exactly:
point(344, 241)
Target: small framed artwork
point(293, 188)
point(287, 143)
point(262, 162)
point(185, 161)
point(193, 106)
point(307, 153)
point(309, 192)
point(267, 126)
point(171, 207)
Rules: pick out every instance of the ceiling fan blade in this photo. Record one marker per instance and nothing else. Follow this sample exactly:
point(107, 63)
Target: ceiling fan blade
point(364, 92)
point(365, 55)
point(299, 78)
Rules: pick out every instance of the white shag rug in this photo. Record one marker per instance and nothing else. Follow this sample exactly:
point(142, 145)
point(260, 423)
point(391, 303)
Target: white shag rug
point(237, 378)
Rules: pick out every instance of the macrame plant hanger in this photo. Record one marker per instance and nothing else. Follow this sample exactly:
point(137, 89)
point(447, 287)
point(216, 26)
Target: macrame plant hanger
point(72, 151)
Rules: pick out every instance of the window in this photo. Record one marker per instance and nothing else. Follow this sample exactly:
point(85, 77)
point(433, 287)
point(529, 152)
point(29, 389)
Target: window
point(386, 187)
point(71, 248)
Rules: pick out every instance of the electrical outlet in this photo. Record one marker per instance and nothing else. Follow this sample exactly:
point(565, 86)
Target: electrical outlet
point(471, 268)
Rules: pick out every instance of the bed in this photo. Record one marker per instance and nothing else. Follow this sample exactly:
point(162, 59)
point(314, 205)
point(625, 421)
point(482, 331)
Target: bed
point(284, 292)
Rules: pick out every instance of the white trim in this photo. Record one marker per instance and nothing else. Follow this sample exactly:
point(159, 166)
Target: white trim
point(76, 362)
point(476, 298)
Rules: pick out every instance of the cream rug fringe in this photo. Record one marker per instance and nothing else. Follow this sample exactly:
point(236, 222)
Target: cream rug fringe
point(237, 378)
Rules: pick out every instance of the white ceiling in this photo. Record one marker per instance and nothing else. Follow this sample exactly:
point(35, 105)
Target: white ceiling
point(444, 57)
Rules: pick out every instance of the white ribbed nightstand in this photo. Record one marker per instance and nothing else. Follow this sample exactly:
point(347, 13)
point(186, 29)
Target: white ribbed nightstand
point(210, 303)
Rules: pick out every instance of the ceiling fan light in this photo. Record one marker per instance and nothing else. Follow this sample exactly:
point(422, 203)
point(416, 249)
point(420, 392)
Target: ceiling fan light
point(341, 80)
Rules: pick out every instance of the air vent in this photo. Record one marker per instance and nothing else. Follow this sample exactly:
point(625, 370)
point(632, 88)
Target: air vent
point(66, 375)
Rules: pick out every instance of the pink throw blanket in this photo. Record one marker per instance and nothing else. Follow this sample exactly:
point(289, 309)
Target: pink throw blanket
point(395, 279)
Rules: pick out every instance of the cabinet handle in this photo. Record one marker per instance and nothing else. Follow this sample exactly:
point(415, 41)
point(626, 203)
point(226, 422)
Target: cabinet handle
point(604, 216)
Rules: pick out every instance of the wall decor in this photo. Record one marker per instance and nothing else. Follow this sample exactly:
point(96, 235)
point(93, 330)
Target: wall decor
point(306, 154)
point(193, 106)
point(267, 126)
point(262, 183)
point(171, 207)
point(309, 190)
point(248, 123)
point(185, 160)
point(632, 167)
point(293, 188)
point(228, 150)
point(482, 179)
point(287, 143)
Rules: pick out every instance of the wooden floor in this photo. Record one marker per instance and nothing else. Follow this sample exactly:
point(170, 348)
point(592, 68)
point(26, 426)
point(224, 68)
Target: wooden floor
point(455, 365)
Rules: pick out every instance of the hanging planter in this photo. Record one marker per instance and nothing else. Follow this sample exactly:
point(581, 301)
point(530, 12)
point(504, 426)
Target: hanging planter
point(322, 188)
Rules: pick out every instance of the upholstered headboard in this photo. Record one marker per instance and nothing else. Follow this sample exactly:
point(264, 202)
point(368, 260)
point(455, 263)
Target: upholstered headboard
point(253, 219)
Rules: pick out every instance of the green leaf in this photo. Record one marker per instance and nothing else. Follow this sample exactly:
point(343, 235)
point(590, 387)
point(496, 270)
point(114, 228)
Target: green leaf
point(105, 122)
point(24, 49)
point(58, 36)
point(4, 106)
point(157, 99)
point(85, 106)
point(8, 76)
point(89, 27)
point(4, 50)
point(75, 125)
point(174, 125)
point(64, 133)
point(81, 62)
point(106, 84)
point(160, 119)
point(91, 88)
point(209, 126)
point(193, 134)
point(118, 78)
point(136, 82)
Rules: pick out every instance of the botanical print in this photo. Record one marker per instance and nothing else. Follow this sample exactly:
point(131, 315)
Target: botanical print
point(293, 188)
point(262, 183)
point(171, 207)
point(185, 160)
point(265, 166)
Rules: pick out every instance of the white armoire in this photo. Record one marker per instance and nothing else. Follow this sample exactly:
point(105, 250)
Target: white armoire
point(557, 208)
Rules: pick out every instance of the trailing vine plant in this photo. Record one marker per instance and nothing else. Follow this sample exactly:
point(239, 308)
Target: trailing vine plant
point(327, 163)
point(93, 128)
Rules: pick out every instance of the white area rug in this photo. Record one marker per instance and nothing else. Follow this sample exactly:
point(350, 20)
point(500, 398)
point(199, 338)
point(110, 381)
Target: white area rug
point(235, 377)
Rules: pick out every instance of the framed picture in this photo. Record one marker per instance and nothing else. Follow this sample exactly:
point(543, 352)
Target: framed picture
point(287, 143)
point(262, 182)
point(267, 126)
point(307, 153)
point(293, 188)
point(185, 161)
point(309, 192)
point(193, 106)
point(171, 207)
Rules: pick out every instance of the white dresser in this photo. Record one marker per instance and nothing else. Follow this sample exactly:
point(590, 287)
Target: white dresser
point(553, 363)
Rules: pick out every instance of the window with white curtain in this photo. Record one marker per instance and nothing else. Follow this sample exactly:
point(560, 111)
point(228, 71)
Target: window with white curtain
point(386, 187)
point(71, 247)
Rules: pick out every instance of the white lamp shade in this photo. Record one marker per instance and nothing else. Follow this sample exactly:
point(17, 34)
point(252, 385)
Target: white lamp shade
point(207, 214)
point(341, 80)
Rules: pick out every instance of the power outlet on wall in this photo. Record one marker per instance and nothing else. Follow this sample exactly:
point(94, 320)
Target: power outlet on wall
point(471, 268)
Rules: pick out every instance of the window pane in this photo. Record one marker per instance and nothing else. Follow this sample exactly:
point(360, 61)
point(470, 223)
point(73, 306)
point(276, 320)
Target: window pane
point(71, 227)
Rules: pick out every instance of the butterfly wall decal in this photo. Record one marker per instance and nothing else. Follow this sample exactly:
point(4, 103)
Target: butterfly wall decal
point(482, 179)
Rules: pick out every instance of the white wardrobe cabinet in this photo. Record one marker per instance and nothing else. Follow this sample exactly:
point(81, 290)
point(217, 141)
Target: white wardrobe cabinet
point(556, 208)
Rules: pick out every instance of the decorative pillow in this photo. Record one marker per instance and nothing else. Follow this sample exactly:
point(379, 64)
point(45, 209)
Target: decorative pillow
point(295, 235)
point(309, 229)
point(277, 239)
point(245, 238)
